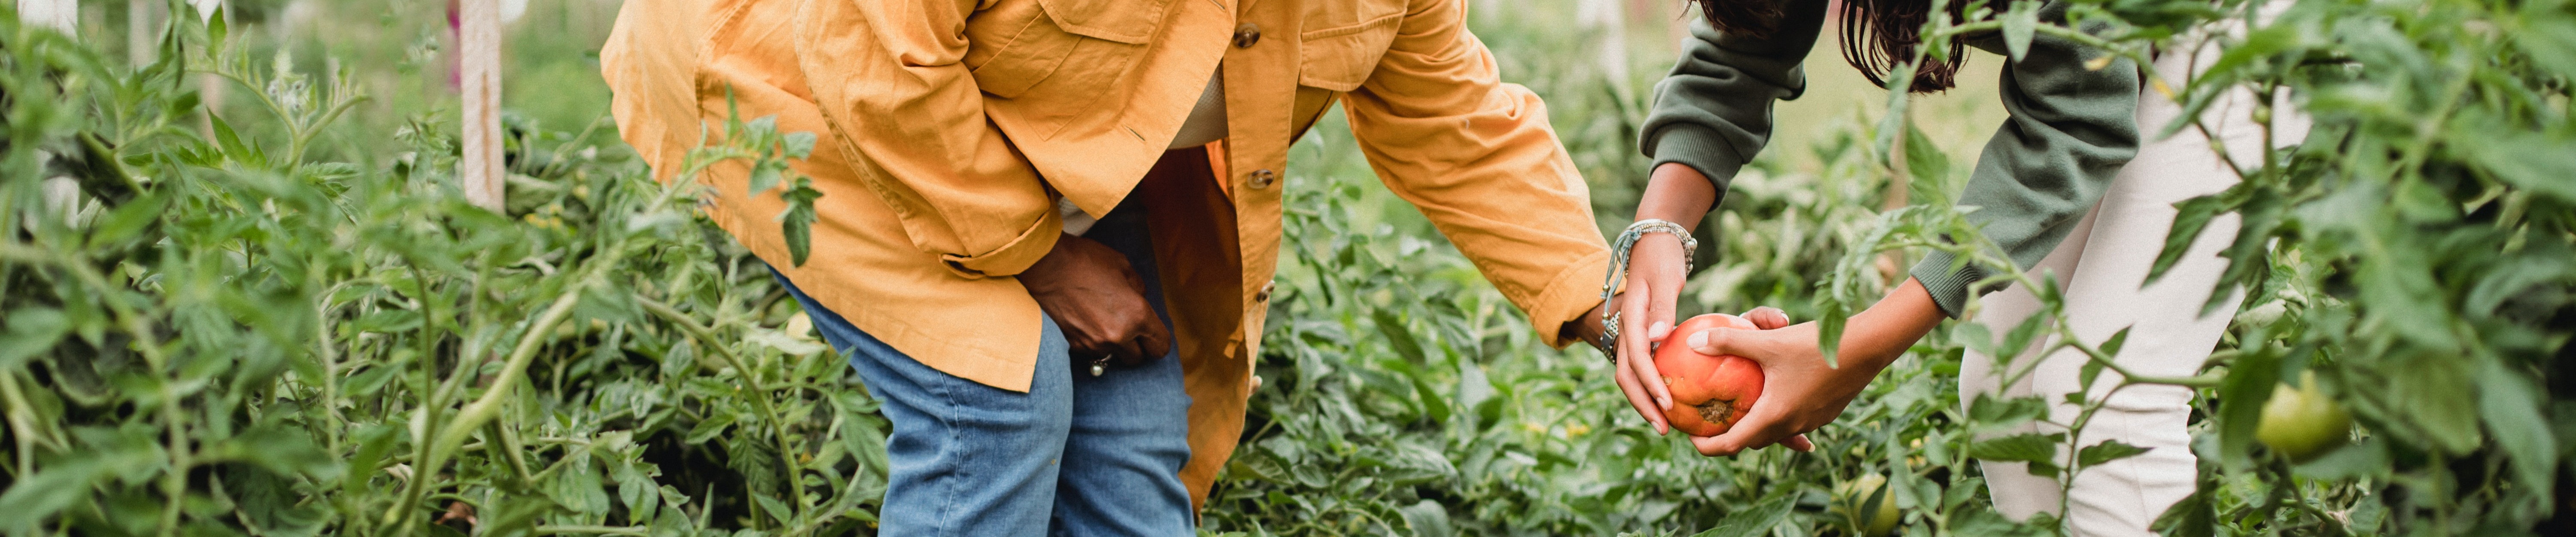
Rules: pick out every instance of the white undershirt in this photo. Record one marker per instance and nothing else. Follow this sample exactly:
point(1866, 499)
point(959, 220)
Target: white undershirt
point(1206, 124)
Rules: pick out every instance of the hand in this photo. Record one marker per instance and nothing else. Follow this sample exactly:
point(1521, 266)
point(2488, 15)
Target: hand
point(1099, 302)
point(1799, 391)
point(1646, 316)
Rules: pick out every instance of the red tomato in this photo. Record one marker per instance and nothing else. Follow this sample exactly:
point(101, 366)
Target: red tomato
point(1710, 393)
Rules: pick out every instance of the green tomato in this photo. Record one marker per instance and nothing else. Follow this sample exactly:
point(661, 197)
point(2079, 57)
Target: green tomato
point(1852, 498)
point(2301, 423)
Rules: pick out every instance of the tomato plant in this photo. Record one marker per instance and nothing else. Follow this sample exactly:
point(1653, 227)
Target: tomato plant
point(238, 295)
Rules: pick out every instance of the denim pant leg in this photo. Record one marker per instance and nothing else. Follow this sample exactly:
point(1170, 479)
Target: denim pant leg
point(1131, 428)
point(965, 459)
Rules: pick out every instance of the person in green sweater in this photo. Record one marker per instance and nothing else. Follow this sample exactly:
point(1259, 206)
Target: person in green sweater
point(2066, 186)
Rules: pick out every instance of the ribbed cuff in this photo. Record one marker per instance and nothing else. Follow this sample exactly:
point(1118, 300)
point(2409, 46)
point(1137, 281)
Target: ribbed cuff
point(1701, 149)
point(1950, 288)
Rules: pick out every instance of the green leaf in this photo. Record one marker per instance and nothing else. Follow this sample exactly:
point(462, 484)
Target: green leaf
point(32, 331)
point(1987, 414)
point(1829, 331)
point(764, 176)
point(2191, 517)
point(2035, 448)
point(1427, 519)
point(1397, 336)
point(2240, 403)
point(2511, 406)
point(1756, 520)
point(708, 428)
point(777, 509)
point(2019, 25)
point(32, 500)
point(2092, 367)
point(232, 144)
point(797, 222)
point(798, 145)
point(2107, 451)
point(1925, 164)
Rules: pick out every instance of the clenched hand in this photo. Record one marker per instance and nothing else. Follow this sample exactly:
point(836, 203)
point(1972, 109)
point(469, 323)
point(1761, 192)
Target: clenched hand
point(1099, 302)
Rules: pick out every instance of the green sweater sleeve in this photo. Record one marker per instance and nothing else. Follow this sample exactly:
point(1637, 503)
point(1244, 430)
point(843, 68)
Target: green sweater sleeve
point(1713, 111)
point(2070, 131)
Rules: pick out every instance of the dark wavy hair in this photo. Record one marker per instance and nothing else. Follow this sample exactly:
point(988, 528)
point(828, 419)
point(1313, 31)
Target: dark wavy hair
point(1878, 35)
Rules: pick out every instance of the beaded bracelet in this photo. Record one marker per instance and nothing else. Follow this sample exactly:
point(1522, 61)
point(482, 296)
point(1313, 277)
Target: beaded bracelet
point(1609, 344)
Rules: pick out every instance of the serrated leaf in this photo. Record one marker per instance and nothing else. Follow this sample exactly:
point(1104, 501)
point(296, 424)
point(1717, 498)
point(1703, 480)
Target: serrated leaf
point(708, 428)
point(798, 145)
point(1986, 413)
point(2107, 451)
point(2023, 447)
point(2190, 217)
point(2092, 368)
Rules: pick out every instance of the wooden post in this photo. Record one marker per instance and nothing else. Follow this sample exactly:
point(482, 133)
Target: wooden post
point(479, 64)
point(142, 37)
point(61, 15)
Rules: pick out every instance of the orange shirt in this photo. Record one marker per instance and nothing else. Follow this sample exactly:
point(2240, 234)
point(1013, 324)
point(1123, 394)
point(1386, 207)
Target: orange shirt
point(950, 129)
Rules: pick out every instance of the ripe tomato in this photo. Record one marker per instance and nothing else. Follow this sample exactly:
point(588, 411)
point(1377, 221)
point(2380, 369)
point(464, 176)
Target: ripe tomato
point(1710, 393)
point(2302, 423)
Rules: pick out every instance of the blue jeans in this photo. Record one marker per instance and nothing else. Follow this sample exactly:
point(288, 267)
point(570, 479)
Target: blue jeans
point(1076, 455)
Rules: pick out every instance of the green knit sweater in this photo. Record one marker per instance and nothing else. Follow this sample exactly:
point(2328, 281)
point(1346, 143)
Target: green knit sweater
point(2070, 131)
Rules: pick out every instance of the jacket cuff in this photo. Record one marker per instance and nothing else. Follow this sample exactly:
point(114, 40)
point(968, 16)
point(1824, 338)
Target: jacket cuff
point(1573, 293)
point(1701, 149)
point(1012, 257)
point(1950, 288)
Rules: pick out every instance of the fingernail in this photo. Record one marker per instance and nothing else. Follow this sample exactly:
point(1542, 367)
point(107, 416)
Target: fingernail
point(1699, 339)
point(1659, 330)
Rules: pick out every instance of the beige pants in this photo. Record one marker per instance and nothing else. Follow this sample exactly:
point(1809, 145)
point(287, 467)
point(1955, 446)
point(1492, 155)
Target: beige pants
point(2099, 268)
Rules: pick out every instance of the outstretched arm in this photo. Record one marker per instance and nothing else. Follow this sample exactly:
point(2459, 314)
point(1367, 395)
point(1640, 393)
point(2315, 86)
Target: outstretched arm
point(1477, 157)
point(1799, 392)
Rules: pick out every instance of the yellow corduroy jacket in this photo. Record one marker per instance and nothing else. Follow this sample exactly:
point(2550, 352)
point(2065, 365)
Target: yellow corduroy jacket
point(950, 127)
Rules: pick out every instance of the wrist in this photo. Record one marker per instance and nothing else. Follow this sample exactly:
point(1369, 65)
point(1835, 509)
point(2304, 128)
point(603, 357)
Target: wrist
point(1678, 193)
point(1879, 335)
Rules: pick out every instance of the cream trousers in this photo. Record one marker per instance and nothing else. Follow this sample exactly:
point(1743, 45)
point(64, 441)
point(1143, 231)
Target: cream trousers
point(2100, 267)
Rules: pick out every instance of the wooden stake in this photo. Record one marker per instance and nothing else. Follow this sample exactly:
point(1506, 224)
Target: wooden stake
point(479, 62)
point(142, 37)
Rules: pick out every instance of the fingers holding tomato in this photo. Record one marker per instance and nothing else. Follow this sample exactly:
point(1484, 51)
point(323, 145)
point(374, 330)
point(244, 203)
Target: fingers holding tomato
point(1709, 393)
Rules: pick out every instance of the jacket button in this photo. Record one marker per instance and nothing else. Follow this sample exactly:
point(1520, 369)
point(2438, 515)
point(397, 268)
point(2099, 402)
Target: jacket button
point(1264, 295)
point(1246, 34)
point(1262, 178)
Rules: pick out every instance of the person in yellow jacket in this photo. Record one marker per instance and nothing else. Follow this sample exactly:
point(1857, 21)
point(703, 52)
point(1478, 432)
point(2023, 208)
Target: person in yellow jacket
point(1048, 227)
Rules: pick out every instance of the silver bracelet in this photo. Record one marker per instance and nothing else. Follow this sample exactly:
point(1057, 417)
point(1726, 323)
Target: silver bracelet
point(1609, 344)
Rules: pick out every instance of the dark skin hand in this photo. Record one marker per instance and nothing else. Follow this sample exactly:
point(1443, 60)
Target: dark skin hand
point(1676, 193)
point(1098, 300)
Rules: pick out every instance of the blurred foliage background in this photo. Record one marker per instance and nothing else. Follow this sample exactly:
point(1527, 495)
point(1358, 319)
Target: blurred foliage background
point(242, 298)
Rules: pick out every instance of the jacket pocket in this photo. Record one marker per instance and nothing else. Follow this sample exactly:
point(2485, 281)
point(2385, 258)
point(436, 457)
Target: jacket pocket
point(1341, 57)
point(1081, 45)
